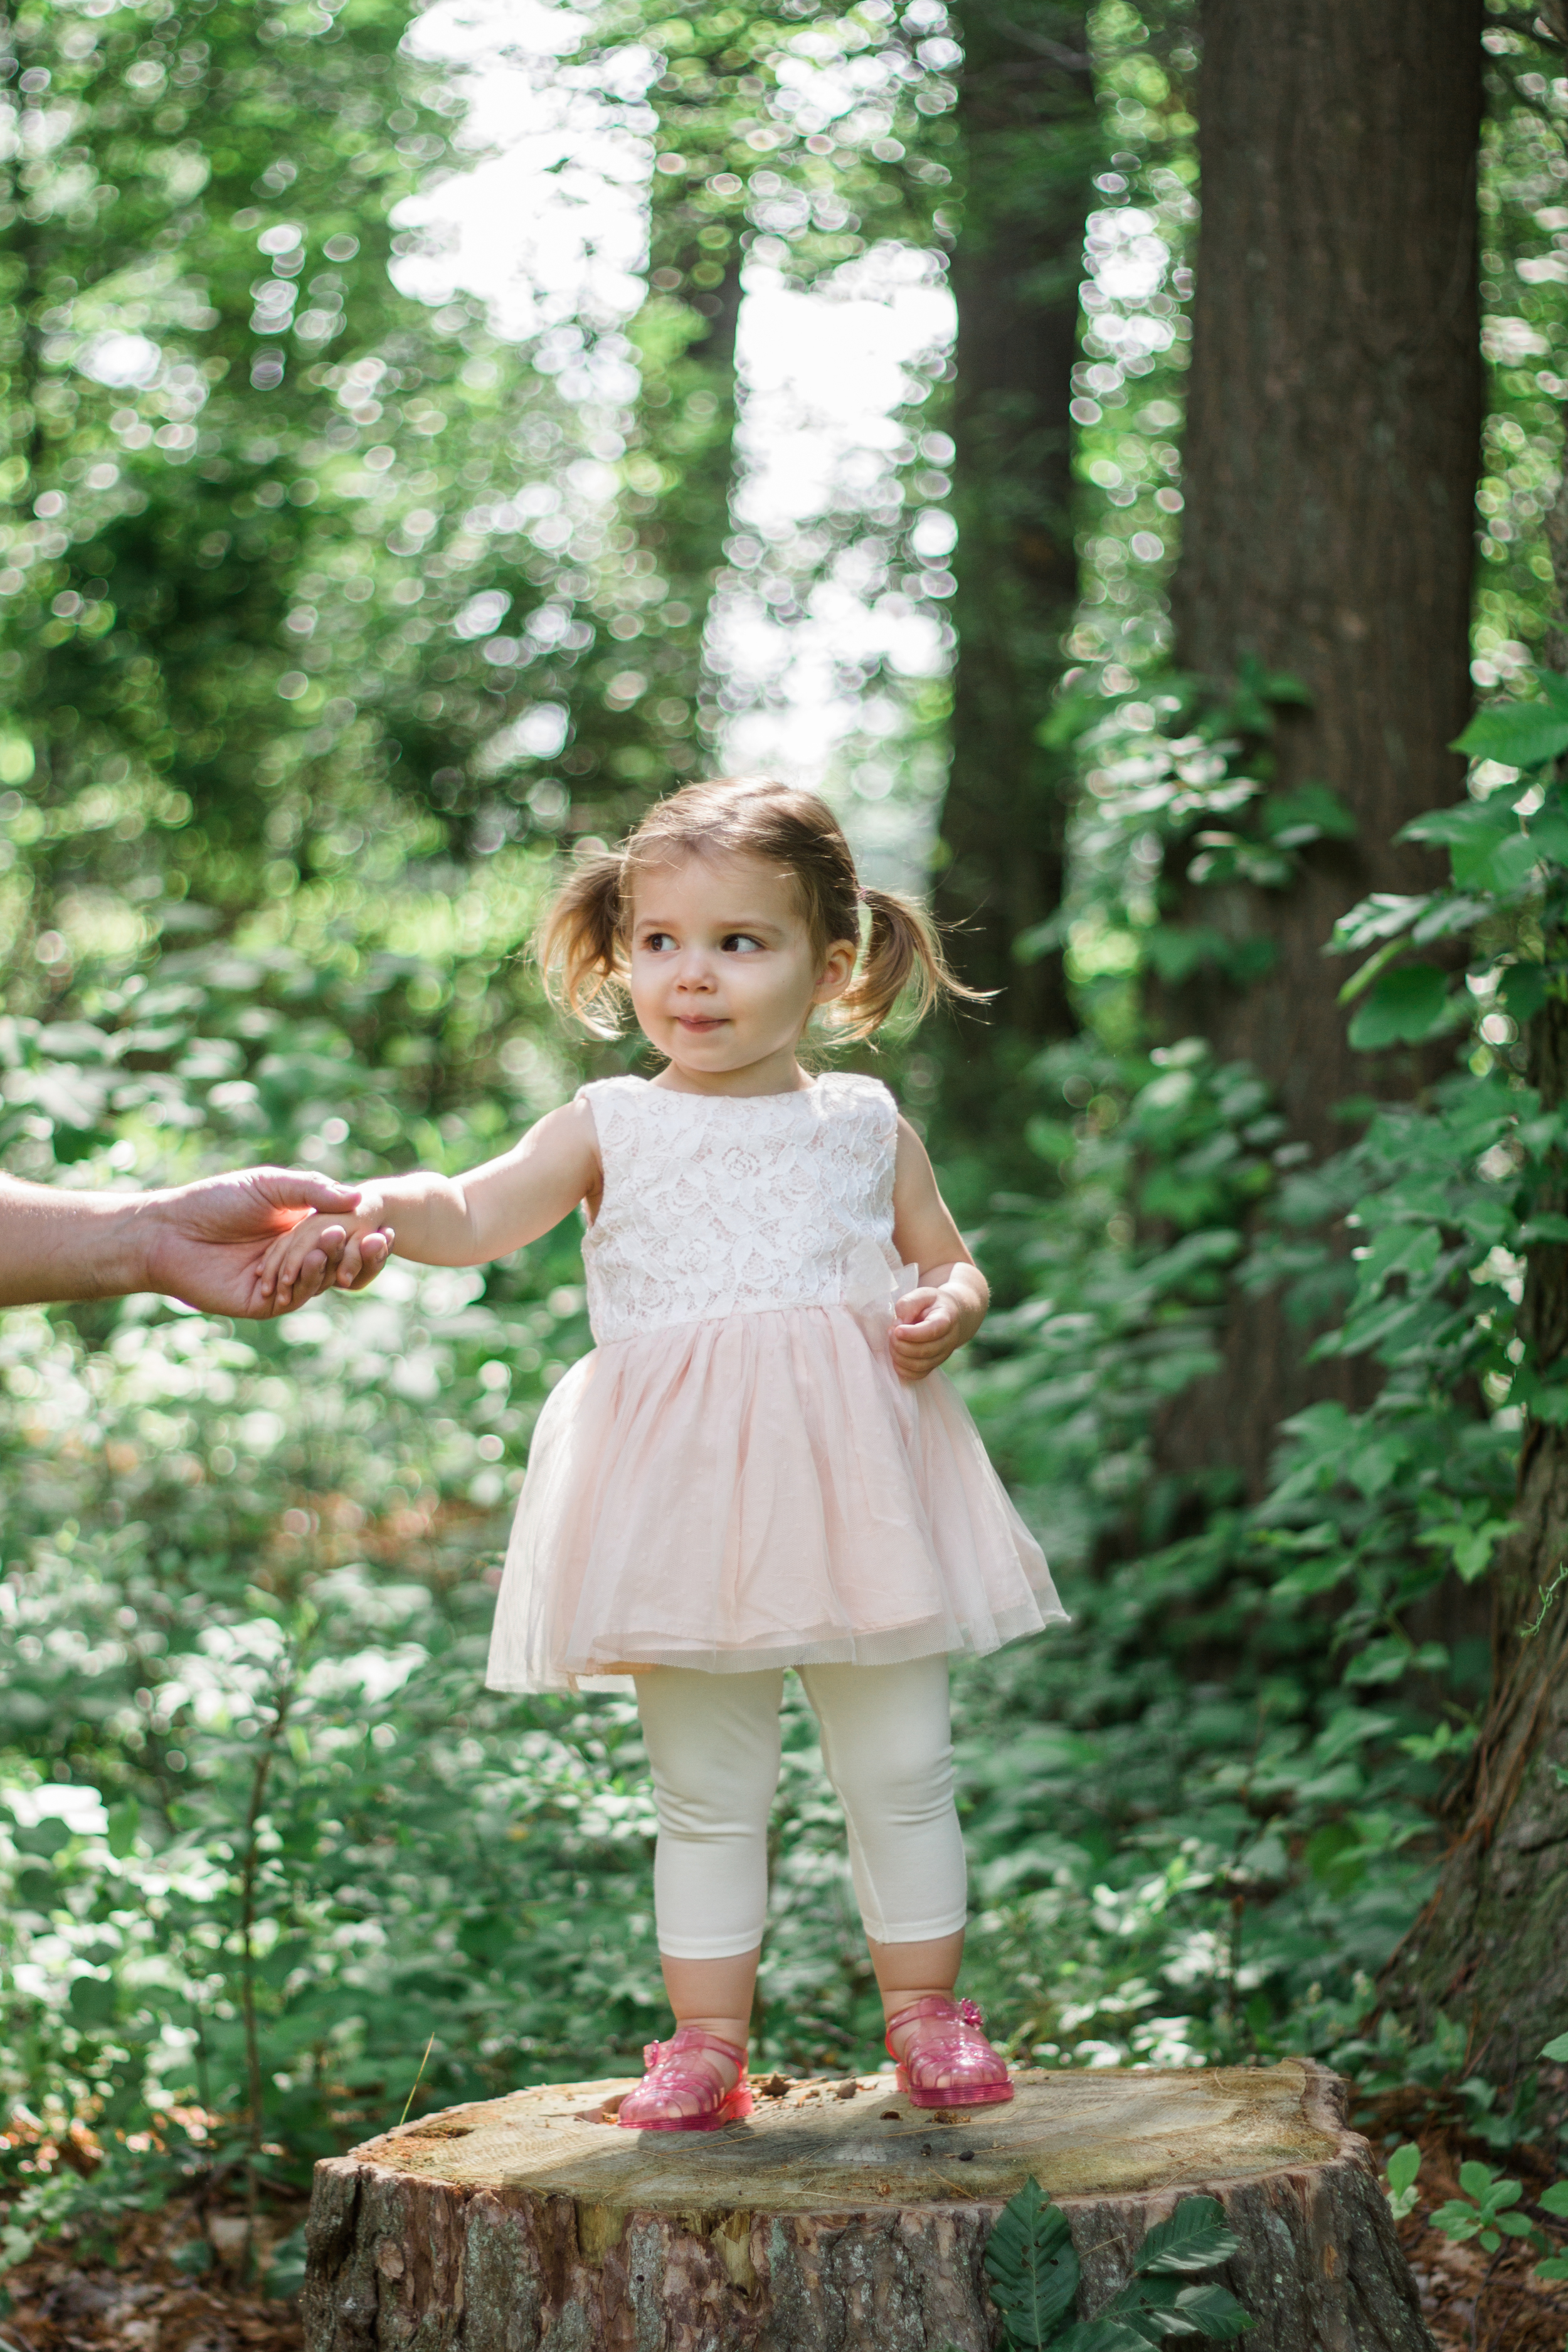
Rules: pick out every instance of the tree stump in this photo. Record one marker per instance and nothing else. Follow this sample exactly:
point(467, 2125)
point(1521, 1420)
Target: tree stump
point(841, 2219)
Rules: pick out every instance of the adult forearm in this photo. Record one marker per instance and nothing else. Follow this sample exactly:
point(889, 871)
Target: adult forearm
point(72, 1246)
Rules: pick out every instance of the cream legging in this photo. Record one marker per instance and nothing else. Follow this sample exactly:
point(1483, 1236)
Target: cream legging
point(714, 1743)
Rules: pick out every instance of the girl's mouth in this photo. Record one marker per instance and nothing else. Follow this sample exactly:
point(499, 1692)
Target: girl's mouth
point(690, 1021)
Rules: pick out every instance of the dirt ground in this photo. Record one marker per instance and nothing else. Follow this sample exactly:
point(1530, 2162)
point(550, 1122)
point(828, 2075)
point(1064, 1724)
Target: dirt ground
point(65, 2299)
point(142, 2301)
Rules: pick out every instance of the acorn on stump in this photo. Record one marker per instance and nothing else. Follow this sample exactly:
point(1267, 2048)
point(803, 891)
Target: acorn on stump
point(841, 2219)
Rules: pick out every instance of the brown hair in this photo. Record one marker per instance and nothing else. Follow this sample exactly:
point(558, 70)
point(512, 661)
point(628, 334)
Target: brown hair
point(582, 938)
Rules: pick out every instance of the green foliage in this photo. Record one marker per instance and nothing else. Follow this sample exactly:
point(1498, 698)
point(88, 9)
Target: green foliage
point(1033, 2273)
point(289, 739)
point(1521, 734)
point(1405, 1007)
point(1179, 802)
point(1402, 2166)
point(300, 574)
point(1525, 342)
point(1485, 2210)
point(1032, 2268)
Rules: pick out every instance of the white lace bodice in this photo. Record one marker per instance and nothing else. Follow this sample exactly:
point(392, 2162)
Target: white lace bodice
point(717, 1205)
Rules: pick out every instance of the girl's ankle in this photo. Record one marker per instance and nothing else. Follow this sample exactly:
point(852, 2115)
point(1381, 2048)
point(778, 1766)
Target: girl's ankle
point(727, 2030)
point(898, 2005)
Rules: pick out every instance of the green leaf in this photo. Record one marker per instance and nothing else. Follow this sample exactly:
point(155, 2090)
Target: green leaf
point(1505, 869)
point(1407, 1005)
point(286, 2265)
point(1554, 2200)
point(123, 1821)
point(16, 2244)
point(1516, 734)
point(1549, 835)
point(1032, 2267)
point(1382, 917)
point(1213, 2311)
point(1311, 812)
point(1364, 974)
point(1474, 826)
point(1257, 689)
point(1477, 2181)
point(1402, 2166)
point(1557, 2050)
point(1068, 719)
point(1196, 2238)
point(1489, 850)
point(1554, 2268)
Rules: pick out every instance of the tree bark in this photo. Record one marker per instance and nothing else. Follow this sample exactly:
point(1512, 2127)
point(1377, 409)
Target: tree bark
point(1029, 142)
point(839, 2218)
point(1331, 455)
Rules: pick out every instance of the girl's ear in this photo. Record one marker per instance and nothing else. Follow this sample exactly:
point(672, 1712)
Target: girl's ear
point(838, 971)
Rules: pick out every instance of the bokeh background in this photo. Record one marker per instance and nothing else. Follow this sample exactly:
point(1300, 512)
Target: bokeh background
point(427, 436)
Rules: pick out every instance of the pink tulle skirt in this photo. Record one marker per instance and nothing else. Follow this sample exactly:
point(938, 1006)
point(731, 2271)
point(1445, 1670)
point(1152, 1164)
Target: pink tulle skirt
point(756, 1491)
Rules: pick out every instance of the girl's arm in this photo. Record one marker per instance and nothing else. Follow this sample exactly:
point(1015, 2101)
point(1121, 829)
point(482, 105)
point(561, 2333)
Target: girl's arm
point(950, 1305)
point(468, 1219)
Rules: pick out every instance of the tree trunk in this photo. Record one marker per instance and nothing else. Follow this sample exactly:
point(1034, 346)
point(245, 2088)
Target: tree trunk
point(1331, 455)
point(1029, 144)
point(1488, 1948)
point(841, 2217)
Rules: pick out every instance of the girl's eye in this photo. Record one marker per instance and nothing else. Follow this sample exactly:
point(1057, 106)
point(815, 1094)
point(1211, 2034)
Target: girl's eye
point(741, 943)
point(658, 941)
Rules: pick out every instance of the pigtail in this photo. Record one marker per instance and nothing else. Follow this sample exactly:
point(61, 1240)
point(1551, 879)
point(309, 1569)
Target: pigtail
point(902, 952)
point(579, 946)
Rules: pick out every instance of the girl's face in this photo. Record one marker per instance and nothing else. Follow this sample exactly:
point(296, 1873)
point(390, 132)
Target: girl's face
point(723, 977)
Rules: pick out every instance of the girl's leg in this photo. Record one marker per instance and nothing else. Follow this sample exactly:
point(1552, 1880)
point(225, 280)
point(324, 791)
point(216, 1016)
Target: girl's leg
point(713, 1745)
point(887, 1744)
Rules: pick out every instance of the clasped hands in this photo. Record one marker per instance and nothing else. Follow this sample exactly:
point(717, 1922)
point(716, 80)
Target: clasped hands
point(211, 1242)
point(357, 1244)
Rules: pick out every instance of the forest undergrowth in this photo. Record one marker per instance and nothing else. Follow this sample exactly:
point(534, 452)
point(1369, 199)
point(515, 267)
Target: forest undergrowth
point(272, 1855)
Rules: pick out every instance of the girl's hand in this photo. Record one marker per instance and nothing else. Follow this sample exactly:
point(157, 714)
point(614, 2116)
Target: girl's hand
point(365, 1253)
point(950, 1305)
point(364, 1240)
point(929, 1325)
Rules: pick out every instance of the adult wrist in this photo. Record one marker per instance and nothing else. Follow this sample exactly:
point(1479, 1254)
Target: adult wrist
point(133, 1225)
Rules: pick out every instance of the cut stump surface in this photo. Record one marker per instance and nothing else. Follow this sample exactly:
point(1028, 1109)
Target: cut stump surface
point(841, 2219)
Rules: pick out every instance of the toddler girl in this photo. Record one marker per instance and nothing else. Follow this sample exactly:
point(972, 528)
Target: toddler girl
point(759, 1465)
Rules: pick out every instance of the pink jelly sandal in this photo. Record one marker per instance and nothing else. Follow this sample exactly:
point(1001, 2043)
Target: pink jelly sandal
point(676, 2075)
point(954, 2045)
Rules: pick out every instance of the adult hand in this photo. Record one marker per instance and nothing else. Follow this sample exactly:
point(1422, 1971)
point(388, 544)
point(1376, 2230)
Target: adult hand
point(202, 1243)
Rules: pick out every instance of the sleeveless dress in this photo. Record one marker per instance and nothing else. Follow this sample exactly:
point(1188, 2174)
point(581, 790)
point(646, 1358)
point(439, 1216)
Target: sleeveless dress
point(735, 1477)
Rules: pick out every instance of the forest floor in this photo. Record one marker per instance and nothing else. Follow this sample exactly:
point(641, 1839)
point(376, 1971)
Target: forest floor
point(132, 2295)
point(1514, 2315)
point(1473, 2301)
